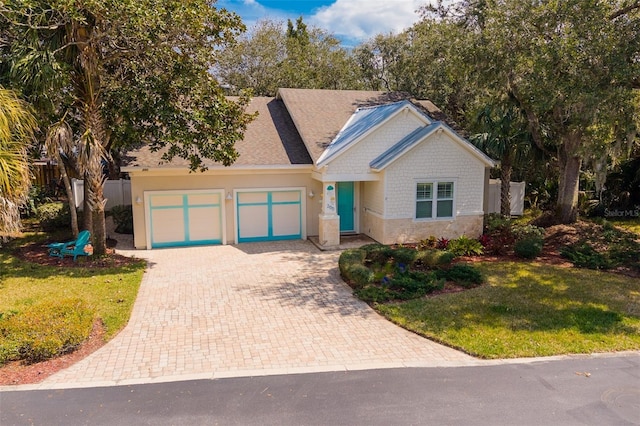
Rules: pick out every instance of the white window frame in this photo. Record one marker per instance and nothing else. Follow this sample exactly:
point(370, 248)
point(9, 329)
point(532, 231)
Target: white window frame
point(434, 199)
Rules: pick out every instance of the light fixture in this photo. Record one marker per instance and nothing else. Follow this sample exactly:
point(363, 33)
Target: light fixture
point(229, 196)
point(311, 194)
point(138, 200)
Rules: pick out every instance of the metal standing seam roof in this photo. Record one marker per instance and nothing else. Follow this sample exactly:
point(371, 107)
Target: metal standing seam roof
point(362, 121)
point(399, 148)
point(415, 137)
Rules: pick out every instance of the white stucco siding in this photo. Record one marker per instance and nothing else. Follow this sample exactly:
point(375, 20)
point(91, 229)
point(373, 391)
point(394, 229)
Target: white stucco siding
point(356, 159)
point(436, 158)
point(373, 196)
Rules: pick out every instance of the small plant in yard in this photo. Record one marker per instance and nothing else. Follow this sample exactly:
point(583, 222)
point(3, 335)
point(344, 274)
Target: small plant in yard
point(352, 268)
point(123, 219)
point(502, 235)
point(465, 246)
point(53, 216)
point(428, 243)
point(529, 248)
point(463, 274)
point(432, 258)
point(404, 255)
point(45, 330)
point(442, 244)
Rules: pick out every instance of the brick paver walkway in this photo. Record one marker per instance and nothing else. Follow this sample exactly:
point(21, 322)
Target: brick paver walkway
point(249, 309)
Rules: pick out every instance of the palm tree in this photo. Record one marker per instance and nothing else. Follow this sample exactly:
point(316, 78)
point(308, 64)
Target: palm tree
point(69, 74)
point(503, 134)
point(60, 146)
point(17, 125)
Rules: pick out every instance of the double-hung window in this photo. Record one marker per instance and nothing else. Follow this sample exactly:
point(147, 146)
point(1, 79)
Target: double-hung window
point(434, 200)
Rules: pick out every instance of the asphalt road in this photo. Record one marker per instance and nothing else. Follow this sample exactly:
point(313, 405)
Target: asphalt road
point(592, 391)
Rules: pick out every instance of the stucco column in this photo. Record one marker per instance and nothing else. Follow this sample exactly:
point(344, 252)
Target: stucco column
point(329, 223)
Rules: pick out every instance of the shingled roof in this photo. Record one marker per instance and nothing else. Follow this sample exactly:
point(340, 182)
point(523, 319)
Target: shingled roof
point(271, 139)
point(320, 114)
point(295, 127)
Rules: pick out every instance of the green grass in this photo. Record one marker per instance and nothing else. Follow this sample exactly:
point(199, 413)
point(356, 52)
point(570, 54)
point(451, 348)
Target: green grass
point(632, 225)
point(529, 309)
point(110, 292)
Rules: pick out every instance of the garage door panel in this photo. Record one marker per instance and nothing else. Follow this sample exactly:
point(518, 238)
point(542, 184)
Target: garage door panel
point(269, 215)
point(286, 220)
point(170, 200)
point(203, 199)
point(252, 197)
point(204, 224)
point(167, 225)
point(254, 221)
point(185, 218)
point(285, 197)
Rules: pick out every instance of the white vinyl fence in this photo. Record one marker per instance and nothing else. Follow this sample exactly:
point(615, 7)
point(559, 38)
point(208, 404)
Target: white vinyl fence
point(117, 192)
point(516, 191)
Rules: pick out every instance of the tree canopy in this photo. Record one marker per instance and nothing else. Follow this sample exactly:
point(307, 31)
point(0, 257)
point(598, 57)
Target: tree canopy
point(271, 56)
point(124, 72)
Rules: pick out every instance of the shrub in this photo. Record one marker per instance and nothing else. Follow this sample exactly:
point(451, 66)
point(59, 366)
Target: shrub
point(413, 284)
point(495, 222)
point(462, 274)
point(352, 268)
point(377, 253)
point(442, 244)
point(123, 219)
point(465, 246)
point(583, 255)
point(374, 294)
point(38, 195)
point(348, 258)
point(360, 275)
point(404, 255)
point(528, 248)
point(54, 216)
point(45, 331)
point(433, 258)
point(523, 232)
point(428, 243)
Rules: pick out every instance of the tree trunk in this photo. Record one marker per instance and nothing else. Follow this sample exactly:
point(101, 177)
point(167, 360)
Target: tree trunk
point(99, 230)
point(570, 164)
point(69, 191)
point(505, 189)
point(87, 217)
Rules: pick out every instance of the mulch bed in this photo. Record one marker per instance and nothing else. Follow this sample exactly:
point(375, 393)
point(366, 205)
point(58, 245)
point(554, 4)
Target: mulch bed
point(39, 253)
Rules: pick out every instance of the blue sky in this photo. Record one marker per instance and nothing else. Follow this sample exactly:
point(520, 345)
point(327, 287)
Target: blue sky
point(352, 21)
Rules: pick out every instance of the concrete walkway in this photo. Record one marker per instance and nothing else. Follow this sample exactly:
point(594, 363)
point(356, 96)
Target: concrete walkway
point(244, 310)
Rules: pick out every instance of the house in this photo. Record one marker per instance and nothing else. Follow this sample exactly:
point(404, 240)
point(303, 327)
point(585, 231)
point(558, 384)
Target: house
point(319, 163)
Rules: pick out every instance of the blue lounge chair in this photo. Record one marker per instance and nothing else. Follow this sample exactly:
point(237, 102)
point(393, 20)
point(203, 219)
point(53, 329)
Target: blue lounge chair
point(73, 248)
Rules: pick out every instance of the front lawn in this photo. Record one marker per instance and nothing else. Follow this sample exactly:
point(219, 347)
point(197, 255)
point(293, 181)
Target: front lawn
point(529, 309)
point(37, 299)
point(632, 225)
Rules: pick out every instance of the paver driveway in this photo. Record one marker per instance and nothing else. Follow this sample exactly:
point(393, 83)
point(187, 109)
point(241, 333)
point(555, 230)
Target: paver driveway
point(249, 309)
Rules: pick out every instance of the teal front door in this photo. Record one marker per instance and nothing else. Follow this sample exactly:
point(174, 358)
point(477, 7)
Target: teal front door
point(346, 211)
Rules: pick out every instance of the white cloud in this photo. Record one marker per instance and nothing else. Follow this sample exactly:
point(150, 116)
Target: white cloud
point(359, 20)
point(352, 21)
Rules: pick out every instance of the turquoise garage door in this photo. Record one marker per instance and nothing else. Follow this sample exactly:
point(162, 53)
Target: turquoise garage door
point(269, 215)
point(185, 218)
